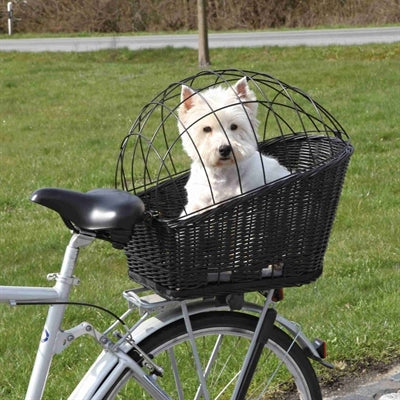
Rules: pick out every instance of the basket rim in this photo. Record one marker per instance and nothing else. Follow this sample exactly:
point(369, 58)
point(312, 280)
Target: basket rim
point(270, 141)
point(345, 152)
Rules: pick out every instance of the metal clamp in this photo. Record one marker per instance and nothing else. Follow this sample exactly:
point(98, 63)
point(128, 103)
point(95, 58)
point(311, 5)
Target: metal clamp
point(57, 277)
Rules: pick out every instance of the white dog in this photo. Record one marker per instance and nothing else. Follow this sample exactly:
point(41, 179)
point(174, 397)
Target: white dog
point(218, 130)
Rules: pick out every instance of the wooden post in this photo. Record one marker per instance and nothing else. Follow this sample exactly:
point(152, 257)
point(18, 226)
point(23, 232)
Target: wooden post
point(204, 56)
point(10, 17)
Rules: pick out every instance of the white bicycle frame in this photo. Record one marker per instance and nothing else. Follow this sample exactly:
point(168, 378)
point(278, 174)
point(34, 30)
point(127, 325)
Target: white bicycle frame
point(114, 360)
point(53, 339)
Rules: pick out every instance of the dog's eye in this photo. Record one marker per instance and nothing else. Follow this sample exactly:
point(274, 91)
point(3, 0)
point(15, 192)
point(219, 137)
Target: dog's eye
point(234, 127)
point(207, 129)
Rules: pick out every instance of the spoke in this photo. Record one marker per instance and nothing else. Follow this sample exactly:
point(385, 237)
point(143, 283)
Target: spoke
point(227, 385)
point(224, 366)
point(278, 367)
point(210, 363)
point(223, 369)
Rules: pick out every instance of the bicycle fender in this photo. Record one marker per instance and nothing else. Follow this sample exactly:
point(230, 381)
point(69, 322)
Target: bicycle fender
point(155, 323)
point(302, 340)
point(95, 376)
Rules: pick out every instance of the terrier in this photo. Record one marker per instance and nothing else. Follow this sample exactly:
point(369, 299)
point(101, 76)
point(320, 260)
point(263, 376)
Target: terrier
point(218, 130)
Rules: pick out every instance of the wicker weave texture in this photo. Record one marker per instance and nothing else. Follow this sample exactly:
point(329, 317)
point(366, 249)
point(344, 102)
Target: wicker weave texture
point(274, 236)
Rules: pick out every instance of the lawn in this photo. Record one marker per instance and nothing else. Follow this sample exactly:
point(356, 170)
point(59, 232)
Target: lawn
point(62, 119)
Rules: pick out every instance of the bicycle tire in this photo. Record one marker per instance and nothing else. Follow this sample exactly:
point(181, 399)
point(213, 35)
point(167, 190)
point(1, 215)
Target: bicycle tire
point(295, 378)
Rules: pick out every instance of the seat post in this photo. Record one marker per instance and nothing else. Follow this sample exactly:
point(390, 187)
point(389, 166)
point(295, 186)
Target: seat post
point(64, 281)
point(77, 241)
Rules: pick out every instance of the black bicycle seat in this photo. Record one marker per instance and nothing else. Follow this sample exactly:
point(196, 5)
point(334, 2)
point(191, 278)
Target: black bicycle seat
point(109, 213)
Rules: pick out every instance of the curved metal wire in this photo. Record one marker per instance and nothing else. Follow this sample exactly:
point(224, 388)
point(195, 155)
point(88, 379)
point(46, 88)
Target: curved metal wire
point(154, 137)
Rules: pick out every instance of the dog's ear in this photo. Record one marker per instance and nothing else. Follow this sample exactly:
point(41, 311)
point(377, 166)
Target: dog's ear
point(246, 95)
point(187, 98)
point(242, 89)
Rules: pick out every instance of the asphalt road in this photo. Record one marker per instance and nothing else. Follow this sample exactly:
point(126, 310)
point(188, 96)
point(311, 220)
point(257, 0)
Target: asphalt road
point(323, 37)
point(372, 386)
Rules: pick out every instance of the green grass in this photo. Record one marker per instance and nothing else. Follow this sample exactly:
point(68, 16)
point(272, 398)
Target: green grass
point(62, 118)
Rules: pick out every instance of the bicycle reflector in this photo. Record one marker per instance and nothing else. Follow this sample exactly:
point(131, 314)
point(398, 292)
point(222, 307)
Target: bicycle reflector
point(279, 295)
point(320, 346)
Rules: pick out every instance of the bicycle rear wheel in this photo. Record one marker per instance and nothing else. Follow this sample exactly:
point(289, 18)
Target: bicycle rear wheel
point(222, 339)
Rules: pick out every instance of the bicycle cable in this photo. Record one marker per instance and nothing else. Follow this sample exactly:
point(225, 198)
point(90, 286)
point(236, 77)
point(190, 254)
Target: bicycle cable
point(75, 303)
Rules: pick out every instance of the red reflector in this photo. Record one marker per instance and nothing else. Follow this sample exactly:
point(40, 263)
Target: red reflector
point(320, 346)
point(278, 295)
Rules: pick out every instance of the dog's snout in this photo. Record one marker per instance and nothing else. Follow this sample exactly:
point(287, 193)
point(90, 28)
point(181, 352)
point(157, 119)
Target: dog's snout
point(225, 150)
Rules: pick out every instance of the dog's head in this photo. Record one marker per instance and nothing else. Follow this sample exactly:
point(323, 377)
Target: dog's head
point(218, 126)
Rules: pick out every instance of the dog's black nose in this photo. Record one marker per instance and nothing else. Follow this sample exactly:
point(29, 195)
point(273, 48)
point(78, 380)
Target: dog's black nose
point(225, 150)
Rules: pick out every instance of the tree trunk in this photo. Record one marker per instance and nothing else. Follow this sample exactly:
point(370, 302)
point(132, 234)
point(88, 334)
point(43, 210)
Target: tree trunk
point(204, 56)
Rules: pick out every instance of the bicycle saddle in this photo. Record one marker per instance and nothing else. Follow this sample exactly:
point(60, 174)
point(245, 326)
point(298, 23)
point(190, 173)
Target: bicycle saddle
point(109, 213)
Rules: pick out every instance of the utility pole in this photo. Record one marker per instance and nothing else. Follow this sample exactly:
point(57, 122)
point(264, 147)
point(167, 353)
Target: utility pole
point(204, 56)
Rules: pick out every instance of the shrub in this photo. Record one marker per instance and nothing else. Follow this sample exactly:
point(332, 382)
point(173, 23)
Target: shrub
point(172, 15)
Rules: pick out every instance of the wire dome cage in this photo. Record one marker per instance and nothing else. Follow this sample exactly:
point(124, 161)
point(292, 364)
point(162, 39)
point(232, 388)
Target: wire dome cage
point(216, 225)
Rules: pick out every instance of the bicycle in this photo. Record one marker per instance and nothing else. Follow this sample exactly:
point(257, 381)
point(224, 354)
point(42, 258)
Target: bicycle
point(137, 351)
point(197, 337)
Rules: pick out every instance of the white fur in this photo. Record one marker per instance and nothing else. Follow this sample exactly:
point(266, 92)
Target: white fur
point(222, 117)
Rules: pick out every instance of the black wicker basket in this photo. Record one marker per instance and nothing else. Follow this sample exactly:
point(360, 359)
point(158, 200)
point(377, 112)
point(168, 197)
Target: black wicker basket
point(274, 236)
